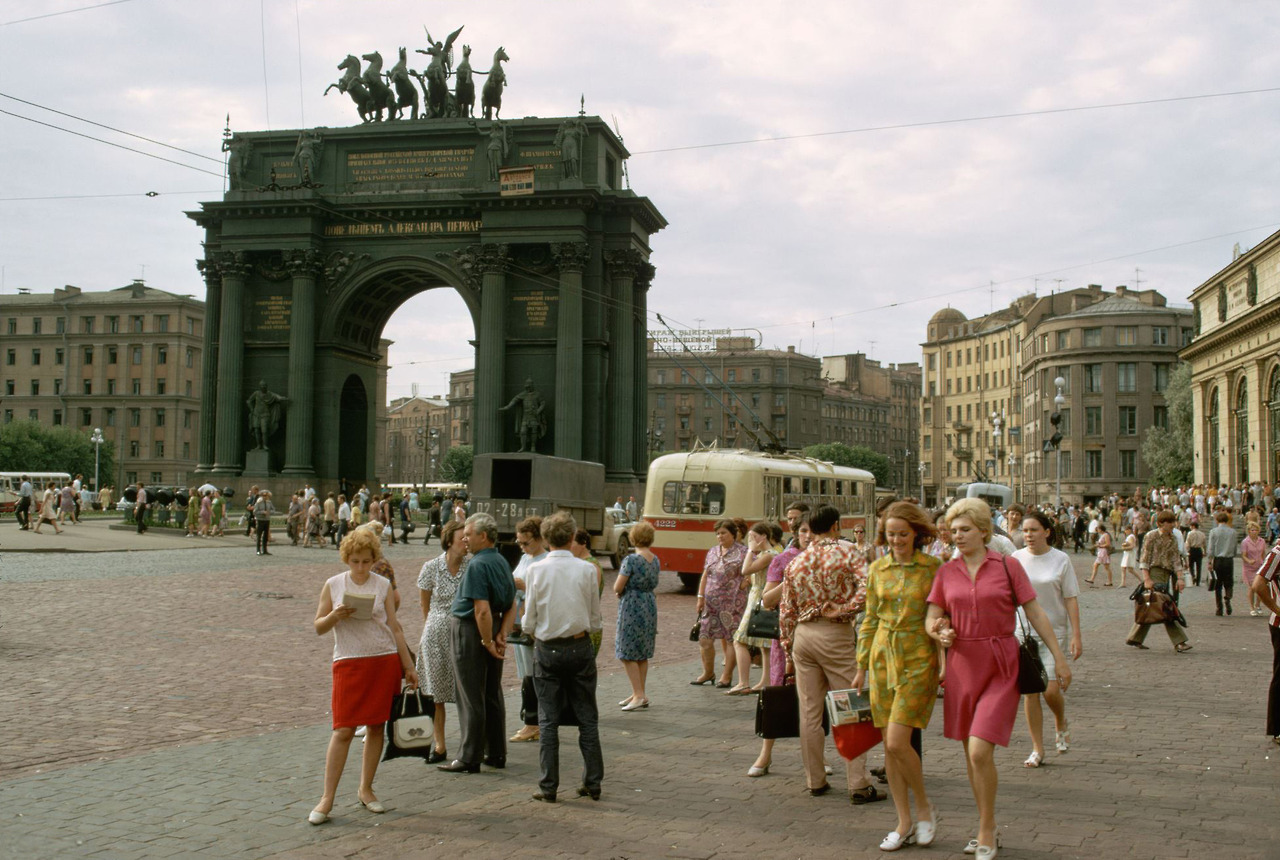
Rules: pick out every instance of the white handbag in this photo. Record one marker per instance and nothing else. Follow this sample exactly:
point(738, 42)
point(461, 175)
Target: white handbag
point(413, 732)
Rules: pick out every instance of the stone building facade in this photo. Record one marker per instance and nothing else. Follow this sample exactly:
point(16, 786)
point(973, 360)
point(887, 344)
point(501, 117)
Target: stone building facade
point(875, 405)
point(417, 436)
point(1235, 369)
point(127, 360)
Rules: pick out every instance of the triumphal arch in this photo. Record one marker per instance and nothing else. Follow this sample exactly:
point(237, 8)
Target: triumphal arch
point(325, 232)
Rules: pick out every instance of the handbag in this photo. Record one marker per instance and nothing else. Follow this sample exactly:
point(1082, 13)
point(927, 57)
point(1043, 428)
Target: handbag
point(696, 631)
point(410, 729)
point(1153, 606)
point(763, 623)
point(1032, 677)
point(778, 713)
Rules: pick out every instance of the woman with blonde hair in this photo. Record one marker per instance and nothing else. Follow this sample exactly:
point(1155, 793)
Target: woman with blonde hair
point(637, 614)
point(370, 659)
point(971, 612)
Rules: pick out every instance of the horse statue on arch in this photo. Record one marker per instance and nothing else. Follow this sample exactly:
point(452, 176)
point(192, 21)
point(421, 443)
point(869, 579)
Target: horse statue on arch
point(352, 84)
point(382, 95)
point(464, 88)
point(406, 94)
point(491, 96)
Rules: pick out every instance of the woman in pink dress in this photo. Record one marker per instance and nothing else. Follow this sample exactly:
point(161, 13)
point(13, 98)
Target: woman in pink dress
point(1253, 549)
point(770, 599)
point(722, 596)
point(971, 612)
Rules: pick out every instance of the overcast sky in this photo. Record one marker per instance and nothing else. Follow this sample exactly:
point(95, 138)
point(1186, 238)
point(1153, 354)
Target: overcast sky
point(805, 240)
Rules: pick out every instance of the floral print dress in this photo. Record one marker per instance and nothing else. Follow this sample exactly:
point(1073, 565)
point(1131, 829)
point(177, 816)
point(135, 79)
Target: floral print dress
point(725, 596)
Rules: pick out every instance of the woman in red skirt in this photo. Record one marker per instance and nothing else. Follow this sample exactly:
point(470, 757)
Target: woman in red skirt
point(370, 658)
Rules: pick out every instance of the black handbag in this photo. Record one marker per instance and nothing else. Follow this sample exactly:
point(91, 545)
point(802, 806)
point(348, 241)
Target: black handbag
point(409, 731)
point(1032, 677)
point(696, 631)
point(778, 713)
point(763, 623)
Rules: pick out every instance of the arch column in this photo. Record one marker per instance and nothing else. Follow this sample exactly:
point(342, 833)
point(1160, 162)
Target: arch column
point(622, 266)
point(640, 346)
point(490, 348)
point(209, 364)
point(228, 449)
point(305, 267)
point(572, 258)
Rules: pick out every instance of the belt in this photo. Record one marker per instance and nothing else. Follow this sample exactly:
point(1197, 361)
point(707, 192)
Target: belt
point(996, 651)
point(563, 640)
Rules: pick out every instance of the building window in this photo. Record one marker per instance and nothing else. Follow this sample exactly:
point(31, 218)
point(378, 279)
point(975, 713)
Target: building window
point(1065, 427)
point(186, 420)
point(88, 386)
point(162, 385)
point(685, 379)
point(60, 325)
point(948, 358)
point(1188, 335)
point(88, 355)
point(86, 325)
point(191, 325)
point(706, 401)
point(188, 385)
point(113, 325)
point(11, 356)
point(137, 355)
point(1066, 463)
point(1126, 335)
point(111, 386)
point(733, 376)
point(1160, 380)
point(135, 324)
point(1093, 421)
point(159, 448)
point(159, 417)
point(947, 440)
point(37, 325)
point(35, 356)
point(662, 374)
point(933, 361)
point(137, 385)
point(86, 417)
point(1064, 373)
point(1093, 337)
point(59, 355)
point(134, 447)
point(755, 401)
point(660, 400)
point(755, 374)
point(8, 416)
point(13, 326)
point(1064, 340)
point(1128, 421)
point(33, 414)
point(162, 322)
point(1160, 335)
point(35, 388)
point(1128, 464)
point(928, 443)
point(707, 377)
point(186, 450)
point(162, 354)
point(109, 417)
point(780, 376)
point(135, 417)
point(1093, 464)
point(1127, 376)
point(1161, 417)
point(948, 386)
point(113, 355)
point(57, 418)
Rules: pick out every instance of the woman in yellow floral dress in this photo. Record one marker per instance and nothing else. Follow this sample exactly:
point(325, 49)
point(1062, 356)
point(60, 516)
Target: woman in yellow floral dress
point(900, 662)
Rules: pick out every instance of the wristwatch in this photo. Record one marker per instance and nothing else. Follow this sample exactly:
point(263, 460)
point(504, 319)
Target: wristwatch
point(486, 642)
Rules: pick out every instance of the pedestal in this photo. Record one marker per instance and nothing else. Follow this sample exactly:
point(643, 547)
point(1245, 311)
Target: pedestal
point(257, 464)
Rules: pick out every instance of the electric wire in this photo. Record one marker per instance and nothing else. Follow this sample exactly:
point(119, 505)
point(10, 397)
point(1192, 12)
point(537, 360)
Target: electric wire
point(266, 89)
point(102, 196)
point(959, 120)
point(108, 142)
point(64, 12)
point(111, 128)
point(302, 108)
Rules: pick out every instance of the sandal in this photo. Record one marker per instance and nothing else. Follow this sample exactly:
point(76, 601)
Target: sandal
point(738, 691)
point(1033, 760)
point(866, 795)
point(1062, 740)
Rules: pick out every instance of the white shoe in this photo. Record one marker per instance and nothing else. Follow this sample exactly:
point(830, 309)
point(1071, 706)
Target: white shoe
point(360, 731)
point(926, 830)
point(636, 706)
point(317, 817)
point(625, 701)
point(754, 771)
point(894, 841)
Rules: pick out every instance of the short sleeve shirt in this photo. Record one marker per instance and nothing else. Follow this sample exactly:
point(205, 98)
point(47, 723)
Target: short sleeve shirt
point(981, 607)
point(1054, 580)
point(488, 577)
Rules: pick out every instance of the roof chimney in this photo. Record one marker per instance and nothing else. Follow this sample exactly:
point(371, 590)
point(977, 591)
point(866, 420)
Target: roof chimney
point(791, 348)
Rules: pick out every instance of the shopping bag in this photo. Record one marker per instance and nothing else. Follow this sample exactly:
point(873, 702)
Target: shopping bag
point(410, 729)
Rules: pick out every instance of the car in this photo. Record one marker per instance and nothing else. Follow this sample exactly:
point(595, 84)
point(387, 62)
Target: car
point(614, 540)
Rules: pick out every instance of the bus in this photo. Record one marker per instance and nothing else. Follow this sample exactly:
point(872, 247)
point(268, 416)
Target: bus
point(686, 493)
point(996, 495)
point(11, 482)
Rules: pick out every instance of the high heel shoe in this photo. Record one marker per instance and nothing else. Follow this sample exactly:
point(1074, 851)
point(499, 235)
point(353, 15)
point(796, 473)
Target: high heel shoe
point(702, 682)
point(973, 846)
point(894, 840)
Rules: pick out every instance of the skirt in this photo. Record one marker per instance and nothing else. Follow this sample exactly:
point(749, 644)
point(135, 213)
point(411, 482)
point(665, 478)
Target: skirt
point(363, 688)
point(1129, 559)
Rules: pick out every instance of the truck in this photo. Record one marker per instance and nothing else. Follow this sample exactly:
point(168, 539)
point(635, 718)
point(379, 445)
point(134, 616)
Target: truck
point(511, 487)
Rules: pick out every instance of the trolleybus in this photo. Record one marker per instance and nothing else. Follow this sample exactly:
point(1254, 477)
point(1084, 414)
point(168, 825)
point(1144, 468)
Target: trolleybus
point(687, 493)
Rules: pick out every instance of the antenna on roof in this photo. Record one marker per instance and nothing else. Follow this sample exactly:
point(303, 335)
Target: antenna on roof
point(625, 177)
point(1137, 279)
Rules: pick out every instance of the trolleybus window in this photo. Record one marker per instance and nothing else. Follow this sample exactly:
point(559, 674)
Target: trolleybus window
point(693, 497)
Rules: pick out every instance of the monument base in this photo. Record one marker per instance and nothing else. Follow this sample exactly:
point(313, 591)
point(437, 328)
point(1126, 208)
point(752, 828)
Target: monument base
point(257, 464)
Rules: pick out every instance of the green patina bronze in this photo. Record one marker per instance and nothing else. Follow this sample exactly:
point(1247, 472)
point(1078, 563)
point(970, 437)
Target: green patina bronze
point(325, 232)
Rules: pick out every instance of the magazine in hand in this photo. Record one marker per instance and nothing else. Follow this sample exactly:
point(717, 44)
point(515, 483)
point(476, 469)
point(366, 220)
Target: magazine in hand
point(848, 706)
point(361, 603)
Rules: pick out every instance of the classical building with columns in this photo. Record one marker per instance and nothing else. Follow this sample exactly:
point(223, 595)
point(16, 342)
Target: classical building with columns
point(1235, 369)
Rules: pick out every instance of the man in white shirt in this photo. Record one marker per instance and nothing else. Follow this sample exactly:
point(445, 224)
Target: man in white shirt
point(23, 508)
point(562, 608)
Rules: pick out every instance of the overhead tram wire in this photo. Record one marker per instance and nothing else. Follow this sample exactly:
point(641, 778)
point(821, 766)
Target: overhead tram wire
point(64, 12)
point(958, 120)
point(103, 196)
point(108, 143)
point(110, 128)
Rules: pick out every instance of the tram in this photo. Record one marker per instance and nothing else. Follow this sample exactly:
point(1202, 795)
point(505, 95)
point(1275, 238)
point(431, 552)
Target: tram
point(11, 483)
point(686, 493)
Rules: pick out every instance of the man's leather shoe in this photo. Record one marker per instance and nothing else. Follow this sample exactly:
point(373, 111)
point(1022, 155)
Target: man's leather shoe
point(456, 766)
point(545, 796)
point(593, 793)
point(498, 763)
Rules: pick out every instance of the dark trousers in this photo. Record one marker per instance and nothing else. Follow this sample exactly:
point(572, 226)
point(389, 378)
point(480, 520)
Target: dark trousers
point(1223, 580)
point(564, 674)
point(140, 513)
point(1195, 559)
point(264, 534)
point(529, 701)
point(482, 716)
point(342, 531)
point(404, 532)
point(23, 511)
point(1273, 695)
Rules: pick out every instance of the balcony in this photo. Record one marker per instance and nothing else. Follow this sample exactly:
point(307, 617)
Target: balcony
point(962, 427)
point(963, 454)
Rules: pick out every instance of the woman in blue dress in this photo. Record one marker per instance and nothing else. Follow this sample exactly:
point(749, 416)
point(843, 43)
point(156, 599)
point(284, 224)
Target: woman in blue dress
point(637, 614)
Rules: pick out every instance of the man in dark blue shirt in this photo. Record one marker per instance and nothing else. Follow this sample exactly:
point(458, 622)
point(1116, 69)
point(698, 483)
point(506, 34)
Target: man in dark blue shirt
point(482, 618)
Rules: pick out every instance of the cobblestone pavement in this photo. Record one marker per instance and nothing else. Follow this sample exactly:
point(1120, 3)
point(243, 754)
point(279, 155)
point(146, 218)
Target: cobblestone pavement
point(174, 704)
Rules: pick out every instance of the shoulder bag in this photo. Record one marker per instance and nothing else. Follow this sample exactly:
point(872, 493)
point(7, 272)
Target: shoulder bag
point(409, 731)
point(763, 623)
point(1032, 678)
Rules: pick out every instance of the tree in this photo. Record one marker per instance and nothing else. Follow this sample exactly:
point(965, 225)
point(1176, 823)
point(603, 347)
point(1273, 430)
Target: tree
point(28, 446)
point(455, 468)
point(1167, 451)
point(856, 457)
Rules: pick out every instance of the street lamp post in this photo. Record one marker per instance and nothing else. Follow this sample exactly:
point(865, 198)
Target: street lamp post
point(1012, 461)
point(97, 441)
point(1056, 420)
point(920, 469)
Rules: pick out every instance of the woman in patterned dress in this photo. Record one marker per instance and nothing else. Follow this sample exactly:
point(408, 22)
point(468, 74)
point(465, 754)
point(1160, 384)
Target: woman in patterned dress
point(722, 595)
point(206, 513)
point(637, 614)
point(902, 661)
point(193, 512)
point(755, 565)
point(438, 582)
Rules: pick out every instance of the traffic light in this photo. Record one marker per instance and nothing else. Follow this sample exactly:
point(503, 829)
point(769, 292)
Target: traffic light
point(1056, 439)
